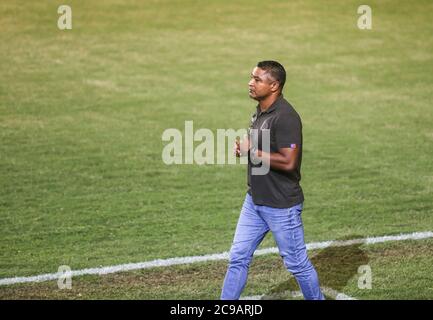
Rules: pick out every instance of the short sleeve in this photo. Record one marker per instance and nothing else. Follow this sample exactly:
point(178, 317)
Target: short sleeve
point(288, 130)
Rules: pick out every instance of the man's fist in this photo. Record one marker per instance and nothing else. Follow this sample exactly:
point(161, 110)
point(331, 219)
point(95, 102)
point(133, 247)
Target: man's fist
point(241, 147)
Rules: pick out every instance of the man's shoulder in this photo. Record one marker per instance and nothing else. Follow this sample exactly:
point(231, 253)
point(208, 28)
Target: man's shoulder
point(286, 110)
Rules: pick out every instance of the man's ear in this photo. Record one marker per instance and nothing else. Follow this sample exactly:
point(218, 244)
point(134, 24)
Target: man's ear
point(275, 86)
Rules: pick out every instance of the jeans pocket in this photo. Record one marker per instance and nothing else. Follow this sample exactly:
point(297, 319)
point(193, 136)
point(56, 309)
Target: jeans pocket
point(295, 216)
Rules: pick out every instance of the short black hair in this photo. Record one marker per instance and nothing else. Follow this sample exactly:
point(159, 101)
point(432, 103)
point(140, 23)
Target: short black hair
point(275, 69)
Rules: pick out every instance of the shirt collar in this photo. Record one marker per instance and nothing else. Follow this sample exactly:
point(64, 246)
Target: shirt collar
point(272, 107)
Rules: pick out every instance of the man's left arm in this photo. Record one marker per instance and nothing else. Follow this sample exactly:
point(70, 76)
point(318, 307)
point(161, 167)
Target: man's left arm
point(288, 137)
point(285, 159)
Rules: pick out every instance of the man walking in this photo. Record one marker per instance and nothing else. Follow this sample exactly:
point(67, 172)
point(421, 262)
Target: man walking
point(274, 200)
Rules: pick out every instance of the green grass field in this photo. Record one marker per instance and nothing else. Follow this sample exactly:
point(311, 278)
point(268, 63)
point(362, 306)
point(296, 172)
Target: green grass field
point(82, 112)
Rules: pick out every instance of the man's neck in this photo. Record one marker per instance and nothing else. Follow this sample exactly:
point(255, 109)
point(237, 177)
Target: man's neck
point(268, 101)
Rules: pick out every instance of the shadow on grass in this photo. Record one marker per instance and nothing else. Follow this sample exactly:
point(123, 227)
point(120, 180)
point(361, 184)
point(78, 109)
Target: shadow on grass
point(334, 265)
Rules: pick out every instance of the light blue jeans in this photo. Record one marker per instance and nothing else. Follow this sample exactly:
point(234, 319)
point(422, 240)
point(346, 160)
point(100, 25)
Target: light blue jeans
point(286, 226)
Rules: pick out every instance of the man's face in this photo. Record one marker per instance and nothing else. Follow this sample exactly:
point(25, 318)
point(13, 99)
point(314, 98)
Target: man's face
point(261, 84)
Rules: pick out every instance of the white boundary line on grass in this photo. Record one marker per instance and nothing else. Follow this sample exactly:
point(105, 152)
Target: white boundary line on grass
point(204, 258)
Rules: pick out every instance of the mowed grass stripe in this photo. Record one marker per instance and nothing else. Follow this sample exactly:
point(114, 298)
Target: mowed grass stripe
point(400, 270)
point(212, 257)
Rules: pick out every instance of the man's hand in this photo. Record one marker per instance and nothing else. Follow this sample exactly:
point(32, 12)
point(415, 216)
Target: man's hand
point(240, 148)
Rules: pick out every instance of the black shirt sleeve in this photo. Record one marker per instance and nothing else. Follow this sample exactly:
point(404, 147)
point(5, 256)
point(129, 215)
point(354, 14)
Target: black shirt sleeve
point(288, 130)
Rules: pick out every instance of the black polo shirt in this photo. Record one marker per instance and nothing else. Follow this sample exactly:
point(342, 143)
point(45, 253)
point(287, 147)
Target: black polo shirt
point(277, 189)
